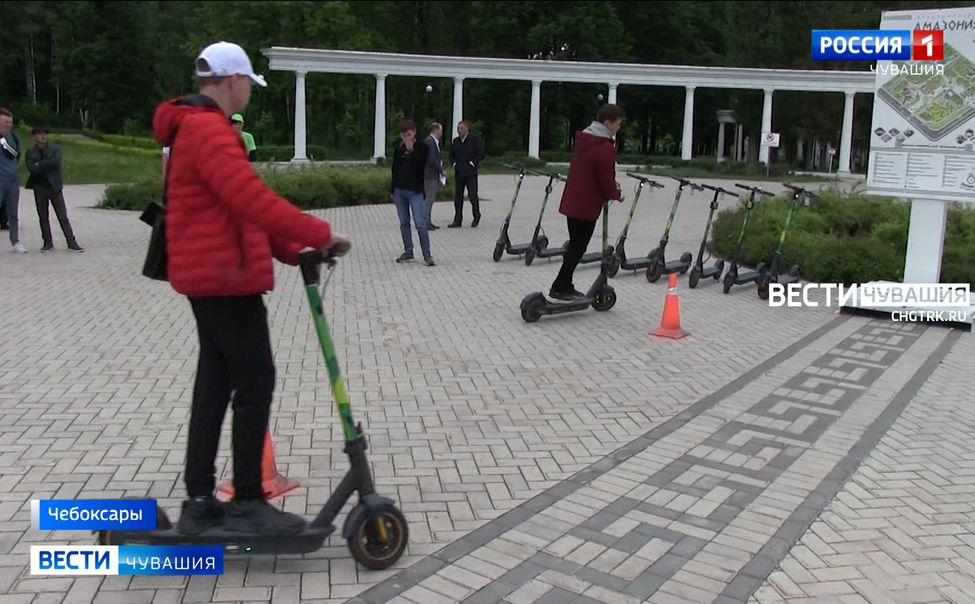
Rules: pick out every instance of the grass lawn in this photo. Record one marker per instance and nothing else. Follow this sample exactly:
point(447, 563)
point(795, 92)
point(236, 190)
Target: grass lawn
point(86, 161)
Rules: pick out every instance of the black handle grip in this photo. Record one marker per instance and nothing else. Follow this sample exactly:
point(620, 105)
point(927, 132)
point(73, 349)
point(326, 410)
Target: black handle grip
point(801, 191)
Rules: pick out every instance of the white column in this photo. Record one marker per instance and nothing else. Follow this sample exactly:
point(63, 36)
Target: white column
point(612, 93)
point(925, 241)
point(458, 106)
point(846, 142)
point(688, 135)
point(763, 148)
point(301, 128)
point(740, 143)
point(720, 141)
point(379, 139)
point(534, 127)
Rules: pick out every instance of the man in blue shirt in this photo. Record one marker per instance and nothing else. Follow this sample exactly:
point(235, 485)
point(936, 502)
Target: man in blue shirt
point(9, 177)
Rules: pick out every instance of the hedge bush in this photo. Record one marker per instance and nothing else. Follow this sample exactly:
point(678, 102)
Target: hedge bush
point(311, 187)
point(842, 238)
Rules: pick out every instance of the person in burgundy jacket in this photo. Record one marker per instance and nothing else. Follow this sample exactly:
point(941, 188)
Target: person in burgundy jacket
point(224, 227)
point(591, 182)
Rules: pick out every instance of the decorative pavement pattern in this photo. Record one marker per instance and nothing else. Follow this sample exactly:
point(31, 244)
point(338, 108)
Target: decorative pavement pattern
point(704, 507)
point(575, 459)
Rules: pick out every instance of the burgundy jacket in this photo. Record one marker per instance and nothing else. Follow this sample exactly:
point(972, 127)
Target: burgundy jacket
point(592, 177)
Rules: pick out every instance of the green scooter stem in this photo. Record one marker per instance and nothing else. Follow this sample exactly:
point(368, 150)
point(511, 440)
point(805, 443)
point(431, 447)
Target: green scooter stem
point(777, 254)
point(331, 362)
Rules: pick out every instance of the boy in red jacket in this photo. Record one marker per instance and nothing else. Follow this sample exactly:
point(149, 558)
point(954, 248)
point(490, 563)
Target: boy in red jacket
point(591, 182)
point(224, 227)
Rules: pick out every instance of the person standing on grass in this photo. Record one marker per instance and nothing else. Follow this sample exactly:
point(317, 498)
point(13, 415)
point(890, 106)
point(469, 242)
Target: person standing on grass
point(591, 183)
point(406, 191)
point(466, 154)
point(433, 176)
point(44, 165)
point(10, 177)
point(249, 145)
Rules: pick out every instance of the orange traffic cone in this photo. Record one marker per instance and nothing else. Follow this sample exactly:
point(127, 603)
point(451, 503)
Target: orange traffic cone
point(670, 322)
point(274, 483)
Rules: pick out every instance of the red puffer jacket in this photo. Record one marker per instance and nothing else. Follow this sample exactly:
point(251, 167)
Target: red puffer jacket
point(223, 224)
point(592, 177)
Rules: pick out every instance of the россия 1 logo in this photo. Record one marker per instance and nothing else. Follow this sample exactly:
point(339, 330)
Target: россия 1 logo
point(878, 45)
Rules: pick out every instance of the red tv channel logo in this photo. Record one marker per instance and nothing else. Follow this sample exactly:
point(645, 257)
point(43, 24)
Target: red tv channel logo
point(928, 45)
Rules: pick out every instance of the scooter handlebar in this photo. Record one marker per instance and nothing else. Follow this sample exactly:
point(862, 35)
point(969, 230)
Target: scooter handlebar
point(684, 181)
point(311, 261)
point(555, 175)
point(801, 191)
point(754, 190)
point(519, 169)
point(721, 190)
point(645, 180)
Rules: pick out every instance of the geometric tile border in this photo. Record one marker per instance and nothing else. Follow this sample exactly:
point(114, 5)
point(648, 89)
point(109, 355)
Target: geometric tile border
point(704, 506)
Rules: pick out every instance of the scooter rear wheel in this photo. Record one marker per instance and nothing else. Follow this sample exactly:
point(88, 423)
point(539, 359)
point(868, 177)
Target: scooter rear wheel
point(369, 549)
point(543, 242)
point(531, 307)
point(529, 256)
point(694, 278)
point(498, 250)
point(605, 299)
point(795, 271)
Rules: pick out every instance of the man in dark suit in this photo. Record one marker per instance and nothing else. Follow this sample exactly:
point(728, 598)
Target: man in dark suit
point(433, 176)
point(466, 154)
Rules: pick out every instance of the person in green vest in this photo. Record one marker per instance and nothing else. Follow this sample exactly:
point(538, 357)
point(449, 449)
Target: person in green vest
point(238, 122)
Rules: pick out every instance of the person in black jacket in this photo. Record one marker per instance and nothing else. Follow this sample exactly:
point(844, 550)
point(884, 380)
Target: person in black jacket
point(466, 154)
point(44, 165)
point(406, 190)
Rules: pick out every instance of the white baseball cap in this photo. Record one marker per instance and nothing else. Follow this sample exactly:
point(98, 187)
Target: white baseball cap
point(227, 59)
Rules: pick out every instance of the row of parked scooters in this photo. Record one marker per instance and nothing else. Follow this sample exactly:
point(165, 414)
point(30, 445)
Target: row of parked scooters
point(612, 258)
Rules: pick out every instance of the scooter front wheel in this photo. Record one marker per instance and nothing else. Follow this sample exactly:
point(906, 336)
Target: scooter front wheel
point(694, 278)
point(795, 271)
point(498, 250)
point(605, 299)
point(685, 260)
point(367, 546)
point(653, 270)
point(614, 267)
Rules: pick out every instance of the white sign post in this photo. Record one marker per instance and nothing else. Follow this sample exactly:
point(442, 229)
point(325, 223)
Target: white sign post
point(922, 143)
point(771, 140)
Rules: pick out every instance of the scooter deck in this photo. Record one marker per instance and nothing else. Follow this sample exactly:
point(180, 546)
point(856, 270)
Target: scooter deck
point(518, 249)
point(743, 278)
point(591, 257)
point(307, 541)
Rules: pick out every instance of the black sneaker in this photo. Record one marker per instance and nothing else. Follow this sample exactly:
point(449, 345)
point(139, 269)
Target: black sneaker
point(570, 295)
point(476, 222)
point(405, 257)
point(429, 261)
point(453, 225)
point(432, 227)
point(47, 247)
point(74, 247)
point(200, 514)
point(258, 516)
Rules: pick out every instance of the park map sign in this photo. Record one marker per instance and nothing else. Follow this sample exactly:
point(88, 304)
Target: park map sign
point(922, 144)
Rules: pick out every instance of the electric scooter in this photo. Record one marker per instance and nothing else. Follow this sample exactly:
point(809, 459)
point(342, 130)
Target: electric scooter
point(658, 265)
point(600, 296)
point(375, 530)
point(733, 277)
point(700, 271)
point(538, 248)
point(504, 243)
point(619, 250)
point(795, 273)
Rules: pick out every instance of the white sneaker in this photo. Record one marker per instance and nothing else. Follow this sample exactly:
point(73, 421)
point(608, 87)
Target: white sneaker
point(19, 249)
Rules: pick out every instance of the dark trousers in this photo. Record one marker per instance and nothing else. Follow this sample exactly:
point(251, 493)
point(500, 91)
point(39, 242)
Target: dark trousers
point(580, 233)
point(3, 217)
point(235, 359)
point(43, 197)
point(469, 183)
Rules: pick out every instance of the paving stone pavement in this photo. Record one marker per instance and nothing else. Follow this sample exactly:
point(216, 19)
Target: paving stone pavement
point(472, 414)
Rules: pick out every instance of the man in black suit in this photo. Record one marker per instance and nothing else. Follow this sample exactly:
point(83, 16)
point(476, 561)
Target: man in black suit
point(466, 154)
